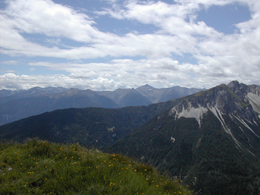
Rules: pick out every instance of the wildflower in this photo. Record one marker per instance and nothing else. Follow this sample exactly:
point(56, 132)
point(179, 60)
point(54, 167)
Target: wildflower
point(157, 186)
point(147, 179)
point(46, 179)
point(145, 170)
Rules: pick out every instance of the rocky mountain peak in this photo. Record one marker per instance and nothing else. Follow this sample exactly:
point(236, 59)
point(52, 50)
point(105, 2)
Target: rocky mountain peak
point(234, 100)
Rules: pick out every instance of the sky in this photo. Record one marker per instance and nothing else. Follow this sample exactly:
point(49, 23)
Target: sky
point(110, 44)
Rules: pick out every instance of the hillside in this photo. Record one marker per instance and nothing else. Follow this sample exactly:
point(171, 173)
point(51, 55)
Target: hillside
point(210, 139)
point(98, 127)
point(39, 167)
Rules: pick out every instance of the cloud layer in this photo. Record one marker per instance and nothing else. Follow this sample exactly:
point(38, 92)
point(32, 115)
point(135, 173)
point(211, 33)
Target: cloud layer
point(132, 59)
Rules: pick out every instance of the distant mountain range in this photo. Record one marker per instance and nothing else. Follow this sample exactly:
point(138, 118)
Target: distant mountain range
point(15, 105)
point(210, 139)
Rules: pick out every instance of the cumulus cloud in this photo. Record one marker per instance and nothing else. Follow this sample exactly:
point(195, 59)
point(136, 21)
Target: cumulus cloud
point(14, 82)
point(217, 57)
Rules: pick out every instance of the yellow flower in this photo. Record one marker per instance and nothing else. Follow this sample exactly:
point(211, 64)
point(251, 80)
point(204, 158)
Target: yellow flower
point(45, 178)
point(157, 186)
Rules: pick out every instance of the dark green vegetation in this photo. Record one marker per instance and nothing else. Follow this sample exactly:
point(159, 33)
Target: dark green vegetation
point(91, 127)
point(210, 140)
point(205, 158)
point(222, 156)
point(39, 167)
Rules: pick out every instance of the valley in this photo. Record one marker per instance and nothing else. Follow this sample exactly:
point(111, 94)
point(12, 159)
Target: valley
point(209, 139)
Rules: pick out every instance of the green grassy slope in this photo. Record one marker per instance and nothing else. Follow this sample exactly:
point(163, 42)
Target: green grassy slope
point(39, 167)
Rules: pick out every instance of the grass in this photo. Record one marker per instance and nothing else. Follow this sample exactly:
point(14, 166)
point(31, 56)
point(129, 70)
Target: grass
point(40, 167)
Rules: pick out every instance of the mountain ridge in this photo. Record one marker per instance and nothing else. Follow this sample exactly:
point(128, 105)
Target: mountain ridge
point(15, 105)
point(209, 139)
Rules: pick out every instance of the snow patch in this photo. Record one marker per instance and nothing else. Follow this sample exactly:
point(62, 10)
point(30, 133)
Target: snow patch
point(172, 139)
point(191, 112)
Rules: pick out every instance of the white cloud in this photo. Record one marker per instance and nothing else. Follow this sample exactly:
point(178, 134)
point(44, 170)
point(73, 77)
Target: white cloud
point(13, 82)
point(220, 57)
point(11, 62)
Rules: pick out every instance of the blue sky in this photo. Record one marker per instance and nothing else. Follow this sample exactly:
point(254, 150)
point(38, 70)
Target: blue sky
point(110, 44)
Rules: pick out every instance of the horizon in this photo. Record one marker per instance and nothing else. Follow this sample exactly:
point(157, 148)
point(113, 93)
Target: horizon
point(104, 45)
point(98, 90)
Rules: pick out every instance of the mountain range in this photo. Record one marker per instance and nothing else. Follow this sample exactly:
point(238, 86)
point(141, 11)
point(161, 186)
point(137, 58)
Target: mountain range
point(15, 105)
point(210, 140)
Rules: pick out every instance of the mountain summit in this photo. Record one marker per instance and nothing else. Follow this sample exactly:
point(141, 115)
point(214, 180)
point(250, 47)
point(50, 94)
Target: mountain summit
point(236, 102)
point(210, 139)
